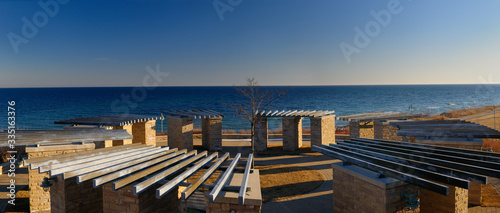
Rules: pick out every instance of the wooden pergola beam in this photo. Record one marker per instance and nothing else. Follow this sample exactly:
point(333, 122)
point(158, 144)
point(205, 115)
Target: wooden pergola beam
point(404, 168)
point(223, 179)
point(138, 188)
point(136, 176)
point(244, 182)
point(90, 168)
point(37, 162)
point(104, 171)
point(409, 178)
point(422, 165)
point(435, 147)
point(409, 150)
point(198, 182)
point(445, 163)
point(437, 151)
point(95, 159)
point(166, 188)
point(124, 172)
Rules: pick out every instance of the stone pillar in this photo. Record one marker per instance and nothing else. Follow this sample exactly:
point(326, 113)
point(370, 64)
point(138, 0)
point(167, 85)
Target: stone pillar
point(40, 199)
point(292, 133)
point(124, 200)
point(322, 130)
point(211, 133)
point(127, 127)
point(144, 132)
point(261, 135)
point(180, 133)
point(475, 196)
point(455, 202)
point(353, 129)
point(68, 196)
point(356, 189)
point(383, 130)
point(366, 130)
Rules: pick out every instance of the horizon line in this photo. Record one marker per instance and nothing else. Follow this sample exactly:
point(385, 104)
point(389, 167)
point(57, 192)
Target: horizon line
point(275, 85)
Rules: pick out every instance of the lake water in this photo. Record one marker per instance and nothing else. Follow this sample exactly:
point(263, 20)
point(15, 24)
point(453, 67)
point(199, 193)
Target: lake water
point(38, 108)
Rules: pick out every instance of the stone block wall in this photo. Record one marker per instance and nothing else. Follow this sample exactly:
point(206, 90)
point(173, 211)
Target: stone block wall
point(211, 135)
point(455, 202)
point(385, 131)
point(39, 199)
point(353, 129)
point(68, 196)
point(361, 129)
point(359, 190)
point(180, 133)
point(366, 130)
point(322, 130)
point(124, 200)
point(292, 133)
point(144, 132)
point(261, 135)
point(128, 128)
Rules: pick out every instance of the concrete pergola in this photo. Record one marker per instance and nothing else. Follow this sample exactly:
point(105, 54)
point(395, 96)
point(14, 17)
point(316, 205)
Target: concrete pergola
point(445, 179)
point(180, 128)
point(142, 178)
point(363, 125)
point(142, 127)
point(322, 128)
point(51, 144)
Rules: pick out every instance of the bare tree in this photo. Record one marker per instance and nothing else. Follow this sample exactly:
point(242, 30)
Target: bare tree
point(257, 100)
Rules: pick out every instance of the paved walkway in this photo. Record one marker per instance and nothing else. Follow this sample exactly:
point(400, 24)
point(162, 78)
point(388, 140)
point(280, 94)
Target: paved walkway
point(318, 200)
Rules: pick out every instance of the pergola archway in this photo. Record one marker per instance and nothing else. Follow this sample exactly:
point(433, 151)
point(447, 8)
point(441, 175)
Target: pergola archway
point(180, 128)
point(322, 128)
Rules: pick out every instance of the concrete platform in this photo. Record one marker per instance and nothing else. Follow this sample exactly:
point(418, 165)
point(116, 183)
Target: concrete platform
point(252, 197)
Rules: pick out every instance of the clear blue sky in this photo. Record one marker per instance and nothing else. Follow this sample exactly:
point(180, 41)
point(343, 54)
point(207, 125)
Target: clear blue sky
point(279, 42)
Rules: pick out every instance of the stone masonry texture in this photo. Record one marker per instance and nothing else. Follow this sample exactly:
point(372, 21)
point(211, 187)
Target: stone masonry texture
point(292, 133)
point(211, 133)
point(39, 199)
point(67, 196)
point(124, 200)
point(361, 129)
point(322, 130)
point(455, 202)
point(385, 131)
point(180, 133)
point(353, 194)
point(144, 132)
point(261, 135)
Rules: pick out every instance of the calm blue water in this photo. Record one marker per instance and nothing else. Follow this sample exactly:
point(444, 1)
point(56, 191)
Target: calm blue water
point(38, 108)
